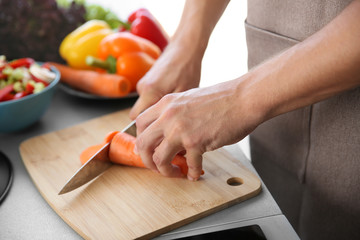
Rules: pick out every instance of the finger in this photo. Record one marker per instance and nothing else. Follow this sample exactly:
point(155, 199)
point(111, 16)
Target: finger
point(145, 146)
point(151, 114)
point(143, 102)
point(194, 162)
point(146, 118)
point(163, 156)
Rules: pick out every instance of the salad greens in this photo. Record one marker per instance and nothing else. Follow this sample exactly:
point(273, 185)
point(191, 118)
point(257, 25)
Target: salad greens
point(94, 11)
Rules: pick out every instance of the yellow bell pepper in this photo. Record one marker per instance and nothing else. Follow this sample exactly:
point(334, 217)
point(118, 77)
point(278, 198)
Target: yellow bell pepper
point(83, 42)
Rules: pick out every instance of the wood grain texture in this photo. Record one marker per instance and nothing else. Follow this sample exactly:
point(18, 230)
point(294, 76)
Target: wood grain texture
point(126, 202)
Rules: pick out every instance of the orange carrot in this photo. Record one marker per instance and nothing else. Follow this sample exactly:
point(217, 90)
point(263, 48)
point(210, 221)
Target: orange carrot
point(122, 152)
point(110, 136)
point(89, 152)
point(102, 84)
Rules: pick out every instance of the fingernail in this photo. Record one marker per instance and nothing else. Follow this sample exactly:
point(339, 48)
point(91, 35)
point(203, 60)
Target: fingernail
point(135, 150)
point(191, 178)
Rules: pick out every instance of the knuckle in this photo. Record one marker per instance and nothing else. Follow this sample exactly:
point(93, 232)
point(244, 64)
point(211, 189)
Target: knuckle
point(149, 88)
point(157, 159)
point(140, 143)
point(142, 87)
point(140, 122)
point(211, 147)
point(143, 83)
point(190, 141)
point(171, 112)
point(168, 98)
point(177, 130)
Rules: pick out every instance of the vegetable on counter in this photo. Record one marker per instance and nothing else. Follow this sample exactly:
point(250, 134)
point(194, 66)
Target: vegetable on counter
point(22, 62)
point(102, 84)
point(83, 42)
point(94, 11)
point(121, 151)
point(90, 151)
point(22, 77)
point(127, 55)
point(36, 28)
point(143, 24)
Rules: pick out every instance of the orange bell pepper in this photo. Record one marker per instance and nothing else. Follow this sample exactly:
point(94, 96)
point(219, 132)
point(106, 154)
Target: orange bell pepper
point(118, 43)
point(127, 55)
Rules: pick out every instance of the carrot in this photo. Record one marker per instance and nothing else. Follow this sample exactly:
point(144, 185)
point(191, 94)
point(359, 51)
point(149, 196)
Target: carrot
point(110, 136)
point(102, 84)
point(89, 152)
point(122, 152)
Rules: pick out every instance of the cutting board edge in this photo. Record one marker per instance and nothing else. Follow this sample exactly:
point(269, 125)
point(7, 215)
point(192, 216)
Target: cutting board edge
point(201, 215)
point(44, 196)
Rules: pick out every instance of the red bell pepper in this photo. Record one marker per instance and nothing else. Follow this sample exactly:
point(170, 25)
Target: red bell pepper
point(144, 24)
point(7, 97)
point(4, 92)
point(29, 88)
point(21, 62)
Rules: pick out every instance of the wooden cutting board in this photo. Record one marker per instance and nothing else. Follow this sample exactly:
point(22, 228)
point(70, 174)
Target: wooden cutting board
point(127, 202)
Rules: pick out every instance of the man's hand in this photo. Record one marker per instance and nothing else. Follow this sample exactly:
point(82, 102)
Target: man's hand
point(174, 71)
point(192, 122)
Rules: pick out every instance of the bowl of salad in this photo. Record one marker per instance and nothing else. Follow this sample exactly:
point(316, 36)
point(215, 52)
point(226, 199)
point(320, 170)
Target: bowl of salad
point(26, 90)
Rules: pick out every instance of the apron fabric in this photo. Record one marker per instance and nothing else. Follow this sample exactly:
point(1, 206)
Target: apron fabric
point(308, 158)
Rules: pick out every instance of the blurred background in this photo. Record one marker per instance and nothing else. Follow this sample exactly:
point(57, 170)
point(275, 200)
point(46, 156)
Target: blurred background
point(225, 58)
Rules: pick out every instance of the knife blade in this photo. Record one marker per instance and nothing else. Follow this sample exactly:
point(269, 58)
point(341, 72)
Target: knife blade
point(97, 164)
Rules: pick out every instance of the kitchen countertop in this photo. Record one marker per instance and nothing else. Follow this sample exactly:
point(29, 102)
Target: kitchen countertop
point(24, 214)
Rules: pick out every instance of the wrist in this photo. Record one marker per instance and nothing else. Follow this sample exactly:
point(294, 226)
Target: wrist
point(252, 102)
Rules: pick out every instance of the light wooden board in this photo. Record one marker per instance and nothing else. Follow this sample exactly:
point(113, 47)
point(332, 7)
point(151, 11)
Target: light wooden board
point(127, 202)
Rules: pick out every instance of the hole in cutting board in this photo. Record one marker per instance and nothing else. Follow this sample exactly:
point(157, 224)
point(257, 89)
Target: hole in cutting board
point(235, 181)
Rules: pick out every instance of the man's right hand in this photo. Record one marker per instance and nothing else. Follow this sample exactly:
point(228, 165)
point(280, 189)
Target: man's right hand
point(172, 72)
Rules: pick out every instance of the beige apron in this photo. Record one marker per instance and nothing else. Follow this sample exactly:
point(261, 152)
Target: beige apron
point(308, 158)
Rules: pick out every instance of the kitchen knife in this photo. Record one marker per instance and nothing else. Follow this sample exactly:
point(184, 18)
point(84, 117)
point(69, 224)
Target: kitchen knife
point(95, 166)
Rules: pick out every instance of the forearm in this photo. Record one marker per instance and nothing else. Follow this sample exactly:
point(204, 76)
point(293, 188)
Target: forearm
point(322, 66)
point(179, 67)
point(197, 22)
